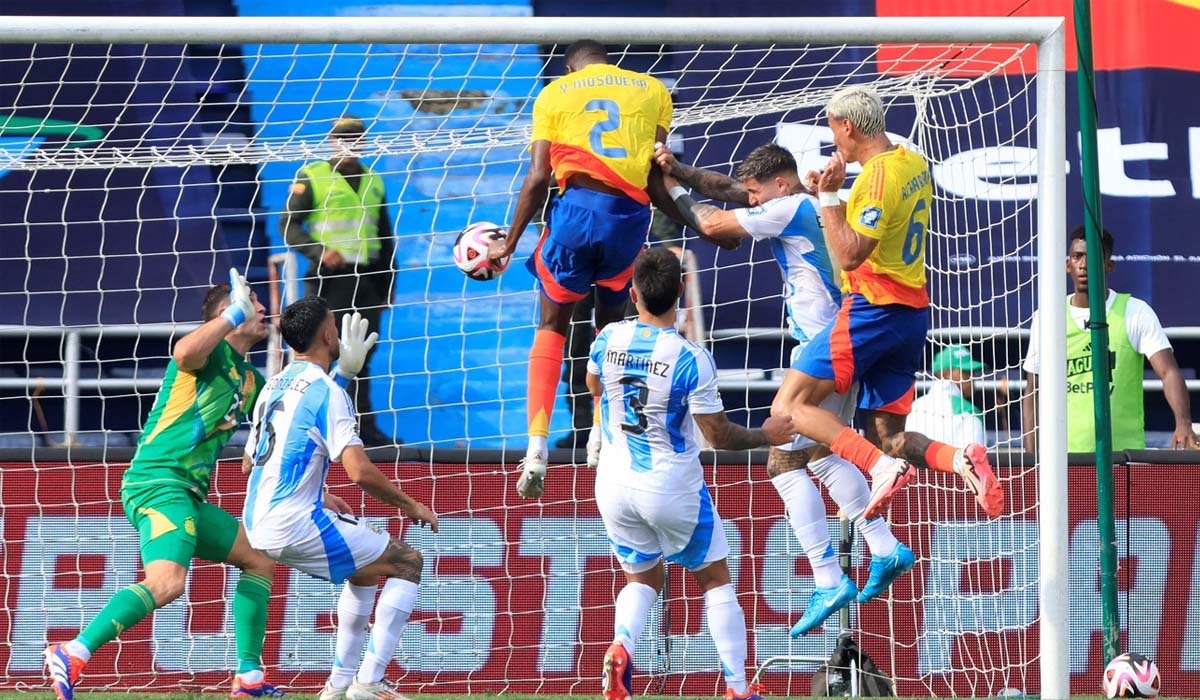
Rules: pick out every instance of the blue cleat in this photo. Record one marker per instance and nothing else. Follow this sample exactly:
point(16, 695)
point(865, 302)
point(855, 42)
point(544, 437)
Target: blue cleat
point(823, 603)
point(885, 570)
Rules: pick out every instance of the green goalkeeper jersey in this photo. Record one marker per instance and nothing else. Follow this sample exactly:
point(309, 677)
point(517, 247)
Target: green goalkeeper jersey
point(193, 417)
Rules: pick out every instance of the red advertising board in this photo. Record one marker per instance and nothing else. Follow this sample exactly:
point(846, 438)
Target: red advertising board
point(518, 595)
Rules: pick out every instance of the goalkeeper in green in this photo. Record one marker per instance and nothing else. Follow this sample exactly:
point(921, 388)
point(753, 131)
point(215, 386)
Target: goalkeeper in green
point(207, 390)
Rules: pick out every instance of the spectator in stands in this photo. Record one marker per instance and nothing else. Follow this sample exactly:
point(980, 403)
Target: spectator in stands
point(945, 412)
point(1134, 334)
point(337, 218)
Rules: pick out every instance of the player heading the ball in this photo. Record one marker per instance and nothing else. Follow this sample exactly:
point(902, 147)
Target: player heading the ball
point(595, 129)
point(651, 383)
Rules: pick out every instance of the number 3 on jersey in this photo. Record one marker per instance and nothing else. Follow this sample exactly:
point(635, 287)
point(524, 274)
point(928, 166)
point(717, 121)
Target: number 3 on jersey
point(612, 120)
point(636, 395)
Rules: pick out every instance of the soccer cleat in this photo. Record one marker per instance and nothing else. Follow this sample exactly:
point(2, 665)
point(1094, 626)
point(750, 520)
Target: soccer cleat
point(64, 670)
point(972, 465)
point(373, 691)
point(261, 689)
point(331, 693)
point(885, 570)
point(887, 478)
point(823, 603)
point(618, 673)
point(533, 475)
point(754, 692)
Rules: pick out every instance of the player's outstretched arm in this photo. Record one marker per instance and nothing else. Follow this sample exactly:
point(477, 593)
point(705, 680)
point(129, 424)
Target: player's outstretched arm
point(713, 224)
point(723, 435)
point(363, 472)
point(710, 184)
point(192, 351)
point(530, 200)
point(1175, 389)
point(1029, 413)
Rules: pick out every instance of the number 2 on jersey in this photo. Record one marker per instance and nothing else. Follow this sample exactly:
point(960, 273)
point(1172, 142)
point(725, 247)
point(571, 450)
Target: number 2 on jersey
point(612, 120)
point(635, 403)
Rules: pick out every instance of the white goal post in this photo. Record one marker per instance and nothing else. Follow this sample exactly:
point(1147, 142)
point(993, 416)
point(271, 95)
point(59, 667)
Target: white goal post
point(1046, 34)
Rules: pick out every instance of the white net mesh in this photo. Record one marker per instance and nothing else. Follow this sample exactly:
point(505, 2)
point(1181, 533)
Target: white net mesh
point(134, 176)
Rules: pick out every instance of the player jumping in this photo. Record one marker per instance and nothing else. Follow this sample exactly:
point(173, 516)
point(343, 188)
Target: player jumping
point(784, 214)
point(207, 387)
point(595, 128)
point(650, 488)
point(878, 338)
point(302, 421)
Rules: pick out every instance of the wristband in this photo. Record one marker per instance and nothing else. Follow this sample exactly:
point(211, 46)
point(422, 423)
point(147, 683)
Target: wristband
point(235, 315)
point(677, 191)
point(829, 199)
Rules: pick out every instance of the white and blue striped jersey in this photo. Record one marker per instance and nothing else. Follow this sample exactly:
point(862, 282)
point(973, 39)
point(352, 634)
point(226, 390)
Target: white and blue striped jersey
point(792, 228)
point(302, 419)
point(654, 380)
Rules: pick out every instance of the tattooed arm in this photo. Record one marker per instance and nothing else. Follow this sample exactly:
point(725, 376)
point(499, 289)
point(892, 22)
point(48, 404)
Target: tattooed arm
point(715, 225)
point(712, 185)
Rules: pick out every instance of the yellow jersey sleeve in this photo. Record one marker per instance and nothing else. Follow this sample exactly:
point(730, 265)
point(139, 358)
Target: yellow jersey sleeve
point(543, 128)
point(890, 202)
point(602, 121)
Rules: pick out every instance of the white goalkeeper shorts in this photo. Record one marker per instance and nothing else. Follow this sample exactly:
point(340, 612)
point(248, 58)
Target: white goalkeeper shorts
point(644, 527)
point(343, 546)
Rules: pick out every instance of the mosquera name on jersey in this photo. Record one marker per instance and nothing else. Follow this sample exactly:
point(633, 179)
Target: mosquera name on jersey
point(193, 417)
point(301, 421)
point(653, 380)
point(601, 121)
point(890, 202)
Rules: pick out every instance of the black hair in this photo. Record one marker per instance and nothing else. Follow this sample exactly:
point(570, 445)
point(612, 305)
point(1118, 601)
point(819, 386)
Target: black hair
point(657, 275)
point(213, 298)
point(585, 48)
point(767, 161)
point(301, 320)
point(1106, 239)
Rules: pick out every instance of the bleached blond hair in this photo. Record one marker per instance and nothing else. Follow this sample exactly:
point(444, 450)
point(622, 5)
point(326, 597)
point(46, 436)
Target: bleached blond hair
point(861, 106)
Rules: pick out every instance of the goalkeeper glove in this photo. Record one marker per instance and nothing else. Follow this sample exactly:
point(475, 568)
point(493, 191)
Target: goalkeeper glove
point(355, 344)
point(240, 308)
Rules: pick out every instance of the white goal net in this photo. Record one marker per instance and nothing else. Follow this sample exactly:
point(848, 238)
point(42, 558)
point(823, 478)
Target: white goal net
point(135, 172)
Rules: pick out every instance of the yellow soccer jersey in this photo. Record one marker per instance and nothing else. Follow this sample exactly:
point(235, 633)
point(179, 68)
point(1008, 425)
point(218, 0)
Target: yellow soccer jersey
point(890, 202)
point(601, 121)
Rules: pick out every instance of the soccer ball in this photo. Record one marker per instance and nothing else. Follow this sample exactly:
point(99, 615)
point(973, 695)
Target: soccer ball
point(1131, 676)
point(471, 248)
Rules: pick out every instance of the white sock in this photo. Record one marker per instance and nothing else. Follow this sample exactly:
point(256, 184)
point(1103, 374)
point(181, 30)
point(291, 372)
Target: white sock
point(727, 625)
point(538, 447)
point(633, 605)
point(396, 603)
point(76, 648)
point(252, 677)
point(848, 488)
point(806, 512)
point(353, 612)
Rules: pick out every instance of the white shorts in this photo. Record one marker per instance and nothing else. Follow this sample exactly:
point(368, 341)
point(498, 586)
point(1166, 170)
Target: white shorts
point(644, 527)
point(344, 546)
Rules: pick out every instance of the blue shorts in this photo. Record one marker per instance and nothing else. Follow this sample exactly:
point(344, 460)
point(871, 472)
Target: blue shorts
point(882, 347)
point(593, 238)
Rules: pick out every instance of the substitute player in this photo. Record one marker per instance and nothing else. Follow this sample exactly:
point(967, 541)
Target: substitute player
point(206, 390)
point(878, 338)
point(784, 215)
point(303, 419)
point(595, 128)
point(650, 488)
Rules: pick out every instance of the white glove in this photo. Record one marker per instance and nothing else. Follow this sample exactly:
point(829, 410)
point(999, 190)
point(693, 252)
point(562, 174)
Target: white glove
point(593, 447)
point(355, 344)
point(241, 309)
